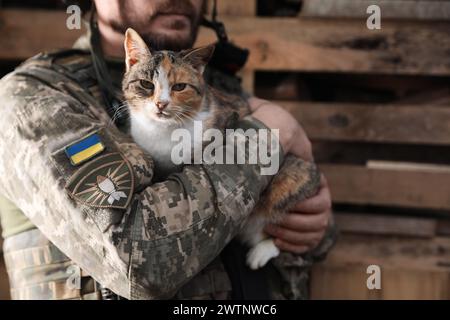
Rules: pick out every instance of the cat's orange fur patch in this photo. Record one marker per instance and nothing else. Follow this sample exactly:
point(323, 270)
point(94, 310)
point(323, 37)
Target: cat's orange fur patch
point(297, 180)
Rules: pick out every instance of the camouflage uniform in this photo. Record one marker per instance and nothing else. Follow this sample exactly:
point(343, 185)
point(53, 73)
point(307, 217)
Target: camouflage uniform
point(162, 242)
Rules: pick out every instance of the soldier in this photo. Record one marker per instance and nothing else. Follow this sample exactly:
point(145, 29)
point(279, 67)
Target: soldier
point(64, 240)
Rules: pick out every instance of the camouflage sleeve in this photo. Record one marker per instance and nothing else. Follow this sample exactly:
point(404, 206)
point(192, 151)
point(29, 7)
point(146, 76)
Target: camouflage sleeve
point(294, 270)
point(142, 245)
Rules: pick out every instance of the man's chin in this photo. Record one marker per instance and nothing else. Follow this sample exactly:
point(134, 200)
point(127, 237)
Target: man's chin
point(172, 42)
point(174, 35)
point(171, 22)
point(173, 39)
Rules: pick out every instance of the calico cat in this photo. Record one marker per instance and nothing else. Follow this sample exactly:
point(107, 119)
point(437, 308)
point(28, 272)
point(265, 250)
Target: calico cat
point(164, 91)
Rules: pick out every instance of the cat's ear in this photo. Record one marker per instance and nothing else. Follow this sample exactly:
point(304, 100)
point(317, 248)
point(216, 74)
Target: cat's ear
point(135, 48)
point(198, 57)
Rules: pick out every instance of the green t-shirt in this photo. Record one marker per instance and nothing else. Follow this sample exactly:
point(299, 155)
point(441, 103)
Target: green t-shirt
point(12, 219)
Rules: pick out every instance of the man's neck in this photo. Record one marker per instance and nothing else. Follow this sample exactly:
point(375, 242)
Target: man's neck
point(111, 41)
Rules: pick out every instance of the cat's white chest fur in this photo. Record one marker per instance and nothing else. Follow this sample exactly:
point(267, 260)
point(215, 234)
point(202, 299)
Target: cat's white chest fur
point(156, 138)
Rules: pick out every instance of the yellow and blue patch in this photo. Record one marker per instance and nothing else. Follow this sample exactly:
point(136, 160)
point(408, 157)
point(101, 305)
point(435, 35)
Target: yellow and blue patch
point(85, 149)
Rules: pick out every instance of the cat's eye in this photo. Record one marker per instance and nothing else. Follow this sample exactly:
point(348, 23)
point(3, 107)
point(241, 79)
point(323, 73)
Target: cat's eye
point(179, 86)
point(146, 84)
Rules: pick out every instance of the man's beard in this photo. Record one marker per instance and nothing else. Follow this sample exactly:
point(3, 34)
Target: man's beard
point(159, 41)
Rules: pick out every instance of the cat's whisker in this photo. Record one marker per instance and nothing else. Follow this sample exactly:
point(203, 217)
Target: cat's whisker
point(178, 119)
point(181, 119)
point(187, 116)
point(119, 112)
point(179, 116)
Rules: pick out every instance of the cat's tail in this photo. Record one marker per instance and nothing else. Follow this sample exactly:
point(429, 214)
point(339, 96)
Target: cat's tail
point(297, 180)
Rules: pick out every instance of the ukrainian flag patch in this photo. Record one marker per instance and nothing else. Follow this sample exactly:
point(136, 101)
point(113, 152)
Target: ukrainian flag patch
point(85, 149)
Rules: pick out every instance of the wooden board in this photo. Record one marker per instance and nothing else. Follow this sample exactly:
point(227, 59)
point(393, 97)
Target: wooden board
point(233, 7)
point(386, 225)
point(361, 152)
point(389, 252)
point(411, 268)
point(341, 46)
point(407, 166)
point(413, 285)
point(397, 9)
point(443, 228)
point(336, 283)
point(4, 288)
point(28, 32)
point(349, 283)
point(361, 185)
point(1, 240)
point(373, 123)
point(294, 44)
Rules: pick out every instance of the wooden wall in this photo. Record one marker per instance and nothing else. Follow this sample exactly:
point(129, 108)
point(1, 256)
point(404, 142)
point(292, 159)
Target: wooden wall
point(376, 104)
point(4, 289)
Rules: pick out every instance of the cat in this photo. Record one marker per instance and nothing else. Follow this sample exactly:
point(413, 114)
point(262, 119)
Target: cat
point(165, 90)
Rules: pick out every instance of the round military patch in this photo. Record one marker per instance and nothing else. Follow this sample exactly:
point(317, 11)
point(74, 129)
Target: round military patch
point(106, 182)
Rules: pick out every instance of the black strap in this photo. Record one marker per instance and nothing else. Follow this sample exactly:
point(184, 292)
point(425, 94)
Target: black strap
point(247, 284)
point(227, 57)
point(216, 25)
point(112, 96)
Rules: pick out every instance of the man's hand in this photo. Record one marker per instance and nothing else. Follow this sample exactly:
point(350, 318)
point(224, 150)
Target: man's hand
point(304, 227)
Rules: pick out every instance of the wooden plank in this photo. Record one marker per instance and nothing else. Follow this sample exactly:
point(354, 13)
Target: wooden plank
point(360, 152)
point(28, 32)
point(373, 123)
point(407, 166)
point(275, 43)
point(386, 225)
point(341, 45)
point(436, 97)
point(349, 283)
point(233, 8)
point(361, 185)
point(443, 228)
point(1, 241)
point(415, 285)
point(4, 287)
point(340, 283)
point(421, 10)
point(411, 268)
point(400, 253)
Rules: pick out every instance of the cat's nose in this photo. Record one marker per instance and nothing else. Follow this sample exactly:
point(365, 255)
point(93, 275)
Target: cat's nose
point(161, 105)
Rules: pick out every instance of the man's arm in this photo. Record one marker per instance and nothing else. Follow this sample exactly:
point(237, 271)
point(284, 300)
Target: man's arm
point(308, 232)
point(311, 219)
point(167, 233)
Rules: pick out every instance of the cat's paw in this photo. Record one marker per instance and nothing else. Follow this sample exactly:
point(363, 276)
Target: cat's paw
point(260, 254)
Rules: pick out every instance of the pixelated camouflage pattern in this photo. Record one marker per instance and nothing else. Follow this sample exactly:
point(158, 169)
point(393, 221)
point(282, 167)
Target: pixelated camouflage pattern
point(293, 271)
point(39, 271)
point(171, 230)
point(164, 238)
